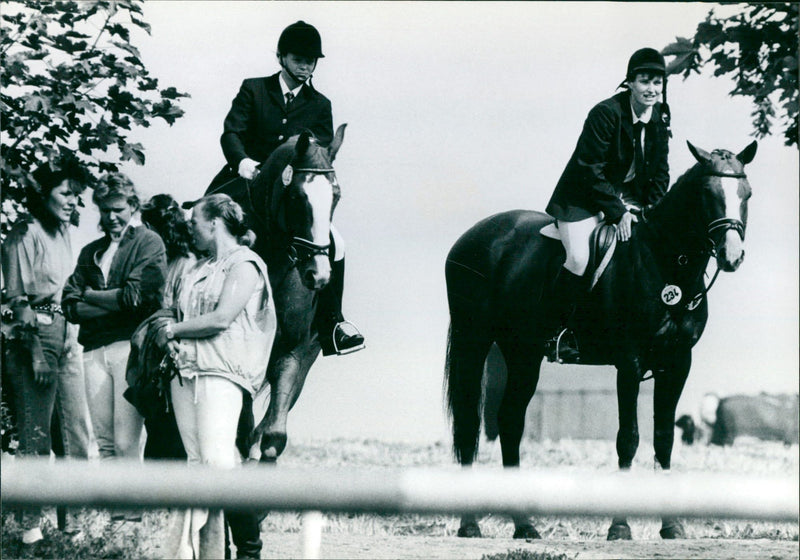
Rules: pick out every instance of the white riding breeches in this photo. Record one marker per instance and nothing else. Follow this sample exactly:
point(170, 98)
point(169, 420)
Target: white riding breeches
point(338, 242)
point(575, 238)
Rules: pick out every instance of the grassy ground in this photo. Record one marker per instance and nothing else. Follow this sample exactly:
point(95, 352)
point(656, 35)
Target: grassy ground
point(102, 539)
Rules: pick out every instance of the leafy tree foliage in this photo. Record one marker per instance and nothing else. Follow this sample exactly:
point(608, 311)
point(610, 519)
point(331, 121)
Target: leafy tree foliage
point(758, 48)
point(73, 83)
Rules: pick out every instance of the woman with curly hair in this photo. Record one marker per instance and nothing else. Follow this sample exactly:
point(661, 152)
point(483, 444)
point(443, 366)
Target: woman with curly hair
point(163, 214)
point(42, 367)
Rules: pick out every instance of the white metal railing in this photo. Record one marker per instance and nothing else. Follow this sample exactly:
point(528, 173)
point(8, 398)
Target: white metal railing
point(415, 490)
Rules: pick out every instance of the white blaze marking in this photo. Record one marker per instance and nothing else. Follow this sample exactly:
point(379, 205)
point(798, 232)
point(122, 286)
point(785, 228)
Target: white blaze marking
point(730, 190)
point(320, 197)
point(733, 242)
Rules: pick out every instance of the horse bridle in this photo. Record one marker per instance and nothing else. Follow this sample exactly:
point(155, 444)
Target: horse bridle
point(301, 249)
point(712, 230)
point(724, 224)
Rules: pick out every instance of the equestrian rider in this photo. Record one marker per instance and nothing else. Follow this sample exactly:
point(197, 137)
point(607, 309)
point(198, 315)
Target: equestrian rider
point(618, 170)
point(265, 113)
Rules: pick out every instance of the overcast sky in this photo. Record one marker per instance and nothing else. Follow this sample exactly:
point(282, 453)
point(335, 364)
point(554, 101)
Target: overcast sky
point(456, 111)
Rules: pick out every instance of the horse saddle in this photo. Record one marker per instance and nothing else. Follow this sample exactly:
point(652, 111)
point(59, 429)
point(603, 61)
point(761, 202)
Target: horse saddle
point(602, 243)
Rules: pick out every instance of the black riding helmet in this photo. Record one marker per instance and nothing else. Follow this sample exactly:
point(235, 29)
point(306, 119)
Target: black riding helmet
point(302, 39)
point(646, 60)
point(650, 60)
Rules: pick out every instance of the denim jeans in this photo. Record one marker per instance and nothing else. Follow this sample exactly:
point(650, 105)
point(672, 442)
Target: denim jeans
point(34, 403)
point(71, 406)
point(116, 422)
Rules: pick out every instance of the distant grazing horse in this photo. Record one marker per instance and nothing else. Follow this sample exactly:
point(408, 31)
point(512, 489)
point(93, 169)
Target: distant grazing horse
point(763, 416)
point(289, 205)
point(645, 314)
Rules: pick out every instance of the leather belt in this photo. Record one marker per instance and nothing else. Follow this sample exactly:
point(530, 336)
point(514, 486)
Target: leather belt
point(48, 308)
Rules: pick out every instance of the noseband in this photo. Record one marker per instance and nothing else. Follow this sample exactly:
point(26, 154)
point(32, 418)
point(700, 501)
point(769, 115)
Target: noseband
point(301, 249)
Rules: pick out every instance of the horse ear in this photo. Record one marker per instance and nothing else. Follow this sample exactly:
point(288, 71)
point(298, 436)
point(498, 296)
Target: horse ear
point(699, 154)
point(338, 138)
point(747, 155)
point(303, 142)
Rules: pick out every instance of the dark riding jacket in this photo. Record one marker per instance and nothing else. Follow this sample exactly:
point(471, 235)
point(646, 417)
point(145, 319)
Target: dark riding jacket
point(259, 121)
point(592, 181)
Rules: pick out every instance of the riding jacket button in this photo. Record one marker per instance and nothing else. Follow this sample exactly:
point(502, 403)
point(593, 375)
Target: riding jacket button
point(284, 121)
point(280, 137)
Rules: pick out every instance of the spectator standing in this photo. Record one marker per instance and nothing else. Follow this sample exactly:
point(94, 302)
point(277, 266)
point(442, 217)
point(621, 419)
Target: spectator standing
point(222, 343)
point(163, 215)
point(117, 283)
point(42, 356)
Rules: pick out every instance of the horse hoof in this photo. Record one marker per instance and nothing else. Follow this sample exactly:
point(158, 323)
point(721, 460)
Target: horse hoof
point(526, 532)
point(272, 445)
point(268, 457)
point(619, 532)
point(471, 531)
point(672, 529)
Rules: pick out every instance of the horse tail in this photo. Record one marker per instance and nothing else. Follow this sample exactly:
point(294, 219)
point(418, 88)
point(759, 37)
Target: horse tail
point(468, 271)
point(463, 387)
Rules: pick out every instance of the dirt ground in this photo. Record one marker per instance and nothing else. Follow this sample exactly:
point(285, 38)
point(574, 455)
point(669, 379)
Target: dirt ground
point(418, 547)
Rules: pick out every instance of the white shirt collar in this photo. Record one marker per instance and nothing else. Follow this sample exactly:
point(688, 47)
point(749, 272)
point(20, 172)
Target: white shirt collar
point(285, 87)
point(645, 118)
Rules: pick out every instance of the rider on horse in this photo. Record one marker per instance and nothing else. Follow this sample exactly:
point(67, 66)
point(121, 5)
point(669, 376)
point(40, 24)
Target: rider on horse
point(618, 170)
point(265, 113)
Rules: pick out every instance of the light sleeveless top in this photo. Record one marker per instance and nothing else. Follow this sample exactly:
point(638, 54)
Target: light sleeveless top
point(240, 352)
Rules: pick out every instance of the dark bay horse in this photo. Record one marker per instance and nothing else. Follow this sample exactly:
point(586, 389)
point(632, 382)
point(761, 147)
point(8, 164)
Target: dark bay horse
point(646, 312)
point(289, 205)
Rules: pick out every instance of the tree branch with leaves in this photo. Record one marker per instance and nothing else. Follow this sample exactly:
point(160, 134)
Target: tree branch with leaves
point(757, 47)
point(73, 83)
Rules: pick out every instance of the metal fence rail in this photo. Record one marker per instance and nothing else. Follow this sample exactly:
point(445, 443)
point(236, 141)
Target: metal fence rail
point(425, 491)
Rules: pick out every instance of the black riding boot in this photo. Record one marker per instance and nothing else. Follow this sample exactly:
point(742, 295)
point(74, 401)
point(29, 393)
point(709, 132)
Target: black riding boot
point(336, 336)
point(563, 346)
point(245, 533)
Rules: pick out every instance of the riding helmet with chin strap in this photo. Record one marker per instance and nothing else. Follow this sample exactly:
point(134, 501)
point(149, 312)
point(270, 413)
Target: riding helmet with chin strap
point(302, 39)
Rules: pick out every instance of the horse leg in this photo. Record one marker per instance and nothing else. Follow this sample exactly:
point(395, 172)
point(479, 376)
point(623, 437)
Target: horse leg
point(669, 384)
point(468, 346)
point(523, 366)
point(627, 436)
point(289, 374)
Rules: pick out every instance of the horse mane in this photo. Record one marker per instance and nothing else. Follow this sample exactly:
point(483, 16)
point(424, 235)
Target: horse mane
point(689, 177)
point(280, 158)
point(675, 199)
point(283, 155)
